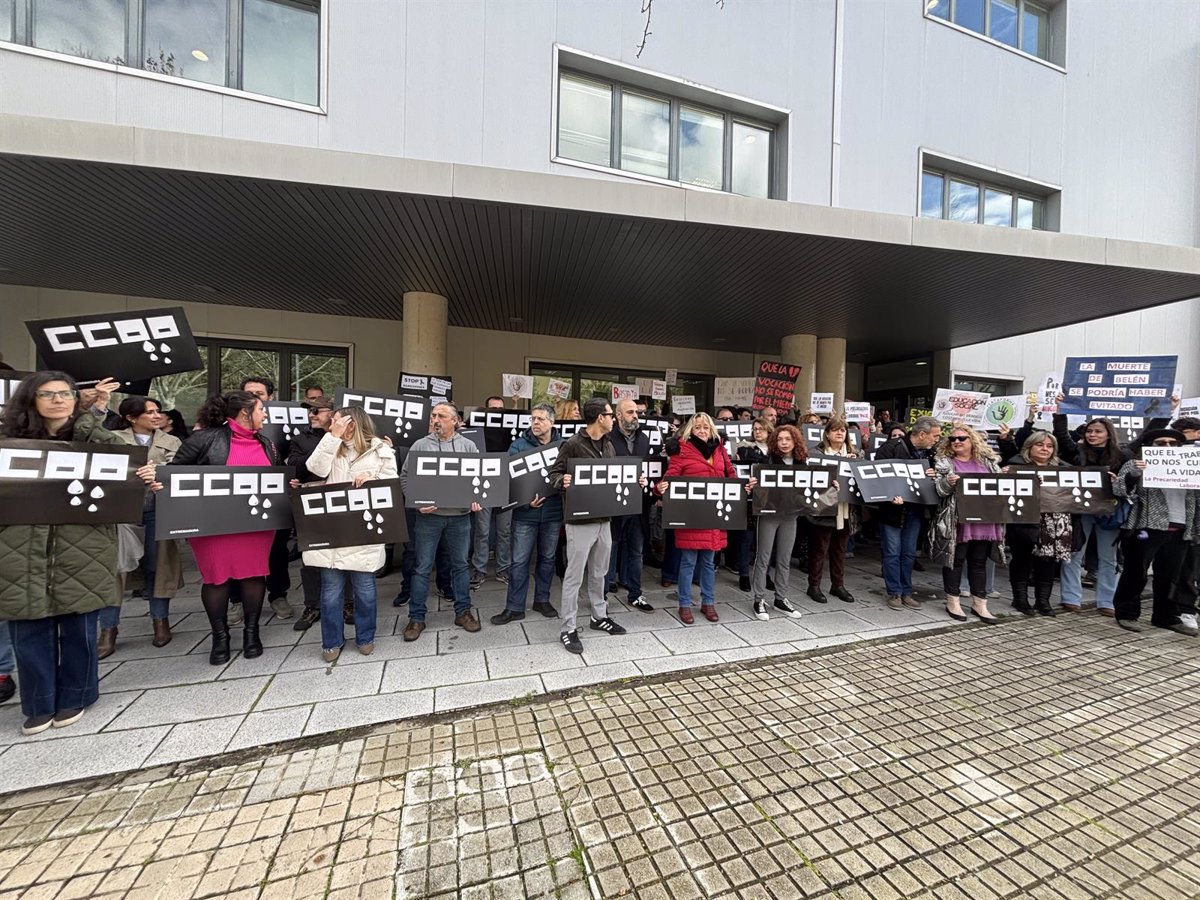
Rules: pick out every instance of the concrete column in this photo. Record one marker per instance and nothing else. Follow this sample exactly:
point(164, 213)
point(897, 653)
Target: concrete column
point(831, 369)
point(801, 350)
point(423, 346)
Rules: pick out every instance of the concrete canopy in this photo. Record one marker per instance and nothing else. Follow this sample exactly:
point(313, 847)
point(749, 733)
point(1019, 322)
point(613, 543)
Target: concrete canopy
point(162, 214)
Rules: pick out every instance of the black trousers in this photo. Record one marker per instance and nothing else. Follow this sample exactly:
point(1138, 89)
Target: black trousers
point(974, 555)
point(1027, 570)
point(1166, 550)
point(1186, 584)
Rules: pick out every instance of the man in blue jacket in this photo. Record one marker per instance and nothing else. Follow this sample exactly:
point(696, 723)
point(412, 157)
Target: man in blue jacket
point(629, 532)
point(534, 524)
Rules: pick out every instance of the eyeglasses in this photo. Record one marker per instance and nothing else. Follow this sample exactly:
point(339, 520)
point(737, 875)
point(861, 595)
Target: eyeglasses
point(958, 437)
point(55, 395)
point(608, 413)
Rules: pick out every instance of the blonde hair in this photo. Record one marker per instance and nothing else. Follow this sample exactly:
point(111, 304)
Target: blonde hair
point(699, 417)
point(979, 447)
point(364, 429)
point(561, 408)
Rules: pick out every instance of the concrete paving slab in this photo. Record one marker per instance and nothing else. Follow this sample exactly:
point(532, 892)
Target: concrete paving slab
point(195, 740)
point(208, 700)
point(457, 696)
point(433, 671)
point(295, 688)
point(354, 711)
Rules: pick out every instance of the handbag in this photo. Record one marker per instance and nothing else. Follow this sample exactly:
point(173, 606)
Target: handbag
point(1115, 520)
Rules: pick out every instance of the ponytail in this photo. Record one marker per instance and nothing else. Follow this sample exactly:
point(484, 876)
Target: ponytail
point(219, 409)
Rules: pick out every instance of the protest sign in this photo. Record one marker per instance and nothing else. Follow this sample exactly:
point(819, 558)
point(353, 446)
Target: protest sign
point(965, 407)
point(645, 386)
point(556, 387)
point(70, 483)
point(658, 390)
point(789, 490)
point(735, 432)
point(402, 418)
point(342, 515)
point(848, 491)
point(821, 403)
point(8, 384)
point(1118, 385)
point(438, 388)
point(456, 480)
point(283, 421)
point(998, 498)
point(127, 346)
point(517, 386)
point(880, 481)
point(733, 392)
point(1068, 490)
point(857, 411)
point(1189, 408)
point(1046, 394)
point(1008, 410)
point(1172, 467)
point(691, 502)
point(603, 487)
point(916, 412)
point(874, 442)
point(509, 423)
point(814, 433)
point(653, 469)
point(671, 376)
point(529, 473)
point(775, 385)
point(624, 392)
point(204, 500)
point(683, 404)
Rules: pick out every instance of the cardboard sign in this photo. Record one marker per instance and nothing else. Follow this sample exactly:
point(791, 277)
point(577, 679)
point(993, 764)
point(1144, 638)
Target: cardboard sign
point(880, 481)
point(704, 503)
point(1118, 385)
point(998, 498)
point(1067, 490)
point(735, 392)
point(966, 407)
point(556, 387)
point(283, 421)
point(1009, 410)
point(654, 468)
point(402, 418)
point(644, 386)
point(775, 385)
point(624, 392)
point(658, 390)
point(205, 500)
point(916, 412)
point(683, 404)
point(1172, 467)
point(848, 491)
point(529, 473)
point(603, 487)
point(1046, 394)
point(70, 482)
point(734, 433)
point(517, 386)
point(342, 515)
point(791, 490)
point(672, 375)
point(128, 346)
point(857, 411)
point(874, 442)
point(456, 480)
point(1189, 408)
point(821, 403)
point(9, 381)
point(438, 388)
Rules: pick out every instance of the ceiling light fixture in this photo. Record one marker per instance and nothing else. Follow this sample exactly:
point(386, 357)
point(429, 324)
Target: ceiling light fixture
point(204, 288)
point(337, 301)
point(922, 362)
point(200, 55)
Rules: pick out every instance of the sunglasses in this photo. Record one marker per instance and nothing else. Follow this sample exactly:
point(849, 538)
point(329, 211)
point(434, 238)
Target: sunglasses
point(958, 437)
point(1165, 442)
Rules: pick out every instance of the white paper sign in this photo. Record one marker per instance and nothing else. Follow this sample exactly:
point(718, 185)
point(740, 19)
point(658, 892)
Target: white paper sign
point(683, 404)
point(1172, 467)
point(1177, 392)
point(1189, 407)
point(672, 377)
point(658, 390)
point(556, 387)
point(1009, 410)
point(517, 386)
point(624, 392)
point(645, 386)
point(858, 412)
point(822, 404)
point(1048, 390)
point(967, 407)
point(733, 391)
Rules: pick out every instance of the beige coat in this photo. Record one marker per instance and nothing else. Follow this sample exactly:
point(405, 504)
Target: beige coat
point(378, 461)
point(168, 576)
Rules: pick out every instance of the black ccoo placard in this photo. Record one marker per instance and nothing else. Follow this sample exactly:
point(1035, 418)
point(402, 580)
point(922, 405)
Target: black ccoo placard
point(880, 481)
point(70, 483)
point(341, 515)
point(402, 418)
point(456, 480)
point(848, 491)
point(603, 487)
point(529, 473)
point(704, 503)
point(1008, 499)
point(790, 490)
point(205, 500)
point(1088, 490)
point(128, 346)
point(8, 384)
point(283, 421)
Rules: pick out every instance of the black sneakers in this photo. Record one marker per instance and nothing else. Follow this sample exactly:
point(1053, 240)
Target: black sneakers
point(785, 607)
point(640, 602)
point(760, 609)
point(606, 625)
point(570, 640)
point(8, 687)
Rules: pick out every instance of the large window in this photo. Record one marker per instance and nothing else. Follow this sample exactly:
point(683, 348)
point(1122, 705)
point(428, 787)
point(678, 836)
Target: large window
point(1021, 24)
point(607, 123)
point(963, 199)
point(590, 381)
point(269, 47)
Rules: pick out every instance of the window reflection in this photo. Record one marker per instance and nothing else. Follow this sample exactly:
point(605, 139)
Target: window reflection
point(1035, 32)
point(970, 14)
point(997, 208)
point(645, 134)
point(701, 148)
point(1004, 21)
point(964, 202)
point(7, 10)
point(98, 33)
point(751, 160)
point(584, 120)
point(939, 8)
point(186, 38)
point(279, 49)
point(931, 195)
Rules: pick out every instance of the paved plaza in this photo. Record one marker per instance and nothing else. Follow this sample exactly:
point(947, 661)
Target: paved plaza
point(1044, 758)
point(167, 705)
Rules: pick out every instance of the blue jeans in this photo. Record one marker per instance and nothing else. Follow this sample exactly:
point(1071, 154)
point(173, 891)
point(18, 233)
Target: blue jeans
point(56, 658)
point(160, 608)
point(1106, 572)
point(455, 532)
point(7, 661)
point(625, 561)
point(525, 535)
point(333, 596)
point(700, 561)
point(899, 553)
point(408, 560)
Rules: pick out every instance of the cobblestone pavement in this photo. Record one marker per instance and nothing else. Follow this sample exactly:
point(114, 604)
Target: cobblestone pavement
point(161, 705)
point(1043, 758)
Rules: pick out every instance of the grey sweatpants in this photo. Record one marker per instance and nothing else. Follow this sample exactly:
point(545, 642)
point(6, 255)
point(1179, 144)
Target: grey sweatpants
point(778, 532)
point(588, 544)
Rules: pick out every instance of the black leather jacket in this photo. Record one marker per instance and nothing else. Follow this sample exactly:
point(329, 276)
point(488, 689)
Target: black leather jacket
point(210, 447)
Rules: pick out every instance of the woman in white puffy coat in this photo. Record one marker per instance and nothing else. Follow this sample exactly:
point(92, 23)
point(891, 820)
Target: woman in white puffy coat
point(349, 452)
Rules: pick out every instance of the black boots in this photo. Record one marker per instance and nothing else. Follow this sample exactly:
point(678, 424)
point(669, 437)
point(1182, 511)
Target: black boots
point(251, 644)
point(220, 642)
point(1042, 590)
point(1020, 591)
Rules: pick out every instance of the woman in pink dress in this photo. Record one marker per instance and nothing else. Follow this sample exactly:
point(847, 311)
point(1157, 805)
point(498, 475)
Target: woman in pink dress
point(229, 436)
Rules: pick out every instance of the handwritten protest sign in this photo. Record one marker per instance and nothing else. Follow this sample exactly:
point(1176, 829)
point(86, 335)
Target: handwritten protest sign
point(821, 402)
point(857, 412)
point(624, 392)
point(1118, 385)
point(775, 385)
point(517, 386)
point(1172, 467)
point(683, 404)
point(733, 391)
point(967, 407)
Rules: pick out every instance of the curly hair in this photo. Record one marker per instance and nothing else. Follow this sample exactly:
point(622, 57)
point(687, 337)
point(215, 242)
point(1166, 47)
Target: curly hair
point(799, 448)
point(979, 447)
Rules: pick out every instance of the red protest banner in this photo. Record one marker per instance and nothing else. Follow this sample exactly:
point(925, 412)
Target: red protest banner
point(775, 385)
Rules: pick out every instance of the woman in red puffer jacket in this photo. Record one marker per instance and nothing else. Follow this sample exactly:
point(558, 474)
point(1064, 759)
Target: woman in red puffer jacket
point(698, 453)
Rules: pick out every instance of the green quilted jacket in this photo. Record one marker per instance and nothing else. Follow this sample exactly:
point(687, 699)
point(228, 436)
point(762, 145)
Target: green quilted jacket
point(52, 570)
